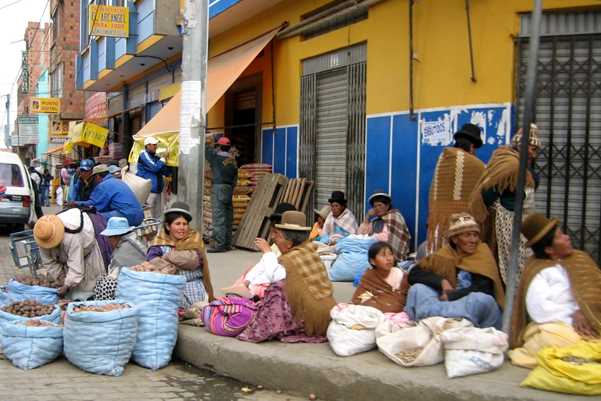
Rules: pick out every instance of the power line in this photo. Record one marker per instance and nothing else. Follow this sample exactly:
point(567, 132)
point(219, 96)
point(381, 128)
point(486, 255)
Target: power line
point(10, 4)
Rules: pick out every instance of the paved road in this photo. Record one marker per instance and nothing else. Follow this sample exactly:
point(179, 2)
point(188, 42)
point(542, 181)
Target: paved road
point(62, 381)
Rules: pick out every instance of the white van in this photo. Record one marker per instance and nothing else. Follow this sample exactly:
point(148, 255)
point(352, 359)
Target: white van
point(17, 196)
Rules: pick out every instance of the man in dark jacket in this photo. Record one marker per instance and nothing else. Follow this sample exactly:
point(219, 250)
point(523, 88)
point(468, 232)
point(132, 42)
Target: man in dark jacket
point(153, 168)
point(225, 174)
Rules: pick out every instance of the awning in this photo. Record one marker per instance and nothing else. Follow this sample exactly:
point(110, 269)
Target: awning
point(57, 149)
point(222, 72)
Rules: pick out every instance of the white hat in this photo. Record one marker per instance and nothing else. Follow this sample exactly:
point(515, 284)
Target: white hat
point(151, 141)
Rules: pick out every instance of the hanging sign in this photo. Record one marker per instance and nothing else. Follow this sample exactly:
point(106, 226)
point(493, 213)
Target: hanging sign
point(45, 105)
point(88, 133)
point(108, 21)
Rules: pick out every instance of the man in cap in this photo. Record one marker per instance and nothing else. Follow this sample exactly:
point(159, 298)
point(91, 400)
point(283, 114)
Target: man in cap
point(493, 200)
point(82, 184)
point(69, 250)
point(127, 249)
point(558, 300)
point(112, 197)
point(340, 222)
point(225, 174)
point(153, 168)
point(455, 176)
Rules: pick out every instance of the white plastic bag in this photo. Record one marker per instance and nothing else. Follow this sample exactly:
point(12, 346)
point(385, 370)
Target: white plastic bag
point(419, 345)
point(140, 186)
point(352, 329)
point(470, 350)
point(392, 323)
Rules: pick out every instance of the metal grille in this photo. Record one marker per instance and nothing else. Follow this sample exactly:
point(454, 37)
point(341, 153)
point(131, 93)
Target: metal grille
point(568, 113)
point(355, 147)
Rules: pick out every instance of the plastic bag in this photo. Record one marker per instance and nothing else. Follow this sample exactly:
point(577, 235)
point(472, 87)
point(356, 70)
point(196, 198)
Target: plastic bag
point(419, 345)
point(23, 292)
point(100, 342)
point(352, 329)
point(140, 186)
point(470, 350)
point(352, 258)
point(29, 347)
point(158, 297)
point(392, 323)
point(572, 370)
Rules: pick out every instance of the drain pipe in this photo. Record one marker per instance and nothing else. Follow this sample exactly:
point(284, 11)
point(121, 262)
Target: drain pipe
point(411, 100)
point(343, 10)
point(469, 38)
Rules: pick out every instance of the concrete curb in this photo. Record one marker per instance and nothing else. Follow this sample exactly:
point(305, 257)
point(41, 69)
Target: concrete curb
point(313, 368)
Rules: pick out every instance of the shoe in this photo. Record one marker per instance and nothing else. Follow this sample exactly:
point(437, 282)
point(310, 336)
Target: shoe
point(216, 250)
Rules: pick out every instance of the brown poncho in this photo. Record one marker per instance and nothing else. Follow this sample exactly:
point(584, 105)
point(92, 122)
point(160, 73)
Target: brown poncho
point(446, 260)
point(501, 174)
point(383, 297)
point(308, 288)
point(585, 281)
point(192, 242)
point(455, 178)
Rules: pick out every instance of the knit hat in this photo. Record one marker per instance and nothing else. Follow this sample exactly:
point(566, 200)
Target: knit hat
point(293, 221)
point(460, 223)
point(533, 139)
point(536, 226)
point(49, 231)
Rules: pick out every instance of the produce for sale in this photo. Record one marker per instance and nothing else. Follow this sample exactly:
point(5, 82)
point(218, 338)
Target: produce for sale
point(37, 323)
point(39, 281)
point(28, 309)
point(162, 268)
point(99, 308)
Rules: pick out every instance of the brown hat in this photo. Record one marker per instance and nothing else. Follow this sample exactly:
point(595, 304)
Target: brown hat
point(460, 223)
point(293, 221)
point(536, 226)
point(533, 138)
point(323, 212)
point(49, 231)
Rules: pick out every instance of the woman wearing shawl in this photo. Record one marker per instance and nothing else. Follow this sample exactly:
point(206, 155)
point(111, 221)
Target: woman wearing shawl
point(340, 222)
point(558, 301)
point(386, 224)
point(460, 280)
point(182, 247)
point(296, 309)
point(492, 201)
point(384, 286)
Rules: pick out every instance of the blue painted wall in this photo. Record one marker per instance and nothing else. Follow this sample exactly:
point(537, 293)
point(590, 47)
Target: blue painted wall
point(279, 148)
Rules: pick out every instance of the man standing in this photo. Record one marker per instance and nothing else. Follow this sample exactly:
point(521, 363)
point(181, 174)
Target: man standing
point(153, 168)
point(225, 173)
point(455, 177)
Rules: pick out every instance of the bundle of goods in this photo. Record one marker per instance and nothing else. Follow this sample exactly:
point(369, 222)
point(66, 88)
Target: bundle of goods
point(158, 297)
point(228, 316)
point(352, 329)
point(207, 207)
point(32, 343)
point(249, 176)
point(240, 204)
point(100, 341)
point(24, 287)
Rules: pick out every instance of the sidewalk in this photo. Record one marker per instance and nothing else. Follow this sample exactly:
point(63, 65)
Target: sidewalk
point(314, 368)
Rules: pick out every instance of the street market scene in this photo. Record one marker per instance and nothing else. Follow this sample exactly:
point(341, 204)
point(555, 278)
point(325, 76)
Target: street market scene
point(300, 199)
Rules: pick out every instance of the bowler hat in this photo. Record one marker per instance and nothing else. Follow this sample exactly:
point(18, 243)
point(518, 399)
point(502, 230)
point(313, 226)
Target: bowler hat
point(338, 197)
point(293, 221)
point(471, 132)
point(536, 226)
point(379, 195)
point(276, 216)
point(179, 207)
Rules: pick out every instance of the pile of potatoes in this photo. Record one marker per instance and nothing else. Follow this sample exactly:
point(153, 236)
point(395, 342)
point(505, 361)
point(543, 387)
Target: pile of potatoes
point(100, 308)
point(28, 309)
point(37, 323)
point(162, 268)
point(42, 282)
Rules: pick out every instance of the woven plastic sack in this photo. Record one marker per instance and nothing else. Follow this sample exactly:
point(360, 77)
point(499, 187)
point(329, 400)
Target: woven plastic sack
point(575, 369)
point(31, 347)
point(352, 258)
point(100, 342)
point(228, 316)
point(54, 317)
point(140, 186)
point(23, 292)
point(352, 329)
point(158, 297)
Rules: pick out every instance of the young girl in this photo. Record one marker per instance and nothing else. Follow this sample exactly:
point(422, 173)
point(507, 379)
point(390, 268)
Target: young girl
point(384, 286)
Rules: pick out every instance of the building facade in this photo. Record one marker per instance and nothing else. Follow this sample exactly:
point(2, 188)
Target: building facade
point(362, 96)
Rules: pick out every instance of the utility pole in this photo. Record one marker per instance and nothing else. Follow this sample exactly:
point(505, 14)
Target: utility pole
point(7, 126)
point(528, 118)
point(190, 183)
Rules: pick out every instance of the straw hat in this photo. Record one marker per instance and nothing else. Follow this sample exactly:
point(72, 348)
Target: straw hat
point(49, 231)
point(460, 223)
point(293, 221)
point(536, 226)
point(323, 212)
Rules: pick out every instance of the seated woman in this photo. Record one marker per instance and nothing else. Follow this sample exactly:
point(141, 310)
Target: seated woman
point(320, 218)
point(296, 309)
point(460, 280)
point(387, 224)
point(181, 246)
point(340, 221)
point(384, 286)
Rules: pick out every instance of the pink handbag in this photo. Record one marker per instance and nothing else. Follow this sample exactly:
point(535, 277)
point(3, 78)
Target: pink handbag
point(228, 316)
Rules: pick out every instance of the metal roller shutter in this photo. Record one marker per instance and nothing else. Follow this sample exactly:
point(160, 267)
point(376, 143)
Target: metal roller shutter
point(332, 121)
point(568, 113)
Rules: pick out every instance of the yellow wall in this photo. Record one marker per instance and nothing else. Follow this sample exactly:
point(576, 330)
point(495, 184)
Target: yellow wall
point(442, 72)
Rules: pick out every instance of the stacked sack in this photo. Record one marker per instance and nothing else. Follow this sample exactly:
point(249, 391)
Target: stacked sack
point(207, 206)
point(240, 203)
point(249, 176)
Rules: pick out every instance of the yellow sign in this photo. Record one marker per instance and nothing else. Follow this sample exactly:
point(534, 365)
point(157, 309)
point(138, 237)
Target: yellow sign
point(108, 21)
point(47, 105)
point(59, 128)
point(88, 133)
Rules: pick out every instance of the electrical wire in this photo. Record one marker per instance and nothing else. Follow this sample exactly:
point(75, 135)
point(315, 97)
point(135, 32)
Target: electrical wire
point(10, 4)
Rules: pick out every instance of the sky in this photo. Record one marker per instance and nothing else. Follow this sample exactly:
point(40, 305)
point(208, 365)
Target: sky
point(14, 15)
